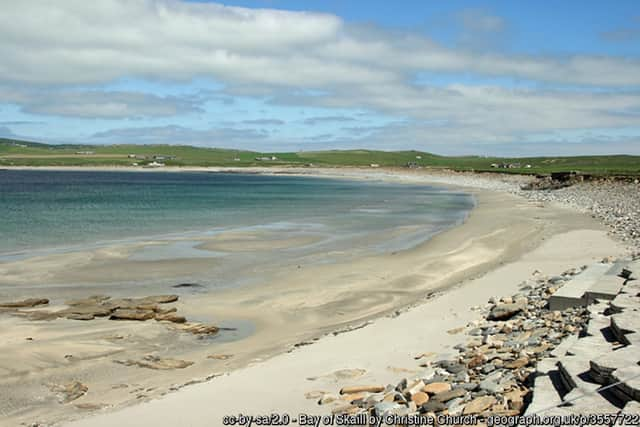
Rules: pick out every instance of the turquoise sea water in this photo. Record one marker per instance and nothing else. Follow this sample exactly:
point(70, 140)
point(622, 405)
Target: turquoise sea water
point(62, 209)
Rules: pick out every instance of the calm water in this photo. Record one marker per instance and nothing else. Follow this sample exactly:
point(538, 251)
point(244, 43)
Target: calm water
point(52, 209)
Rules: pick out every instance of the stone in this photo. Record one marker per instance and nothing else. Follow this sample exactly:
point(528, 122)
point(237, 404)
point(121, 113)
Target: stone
point(155, 362)
point(476, 361)
point(362, 388)
point(448, 395)
point(517, 364)
point(197, 328)
point(69, 392)
point(127, 314)
point(29, 302)
point(505, 311)
point(92, 300)
point(479, 405)
point(74, 316)
point(413, 388)
point(170, 317)
point(450, 366)
point(433, 406)
point(159, 299)
point(383, 408)
point(220, 356)
point(420, 398)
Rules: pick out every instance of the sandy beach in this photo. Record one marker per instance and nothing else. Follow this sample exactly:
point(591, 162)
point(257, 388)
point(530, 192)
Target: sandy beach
point(407, 302)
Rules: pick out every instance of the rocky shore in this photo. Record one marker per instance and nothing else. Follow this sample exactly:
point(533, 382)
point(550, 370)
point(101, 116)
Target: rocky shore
point(507, 351)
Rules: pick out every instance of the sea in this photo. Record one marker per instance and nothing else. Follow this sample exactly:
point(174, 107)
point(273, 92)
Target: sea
point(51, 212)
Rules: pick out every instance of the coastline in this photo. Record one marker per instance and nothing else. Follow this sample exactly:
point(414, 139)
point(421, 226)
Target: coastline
point(499, 234)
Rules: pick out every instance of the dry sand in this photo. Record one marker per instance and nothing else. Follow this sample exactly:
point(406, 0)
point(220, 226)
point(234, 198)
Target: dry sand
point(503, 241)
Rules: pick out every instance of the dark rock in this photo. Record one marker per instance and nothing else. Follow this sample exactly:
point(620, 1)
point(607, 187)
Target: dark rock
point(125, 314)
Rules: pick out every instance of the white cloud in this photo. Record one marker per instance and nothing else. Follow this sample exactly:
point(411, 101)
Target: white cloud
point(295, 58)
point(77, 41)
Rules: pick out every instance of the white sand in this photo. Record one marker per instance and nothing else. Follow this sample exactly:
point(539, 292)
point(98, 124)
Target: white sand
point(382, 349)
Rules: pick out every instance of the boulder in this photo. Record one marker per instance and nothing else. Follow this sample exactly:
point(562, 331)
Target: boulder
point(505, 311)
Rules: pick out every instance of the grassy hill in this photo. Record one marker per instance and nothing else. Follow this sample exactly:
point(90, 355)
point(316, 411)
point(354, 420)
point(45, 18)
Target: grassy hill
point(25, 153)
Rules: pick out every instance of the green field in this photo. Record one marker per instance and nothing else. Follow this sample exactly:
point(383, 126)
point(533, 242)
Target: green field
point(24, 153)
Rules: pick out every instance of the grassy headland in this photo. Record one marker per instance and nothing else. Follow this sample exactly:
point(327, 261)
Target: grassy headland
point(25, 153)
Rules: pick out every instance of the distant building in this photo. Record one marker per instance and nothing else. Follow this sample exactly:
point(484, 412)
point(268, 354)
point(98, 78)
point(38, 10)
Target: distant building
point(374, 165)
point(85, 153)
point(163, 157)
point(418, 157)
point(266, 158)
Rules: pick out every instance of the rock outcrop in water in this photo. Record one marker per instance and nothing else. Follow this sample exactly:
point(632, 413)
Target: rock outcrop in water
point(121, 309)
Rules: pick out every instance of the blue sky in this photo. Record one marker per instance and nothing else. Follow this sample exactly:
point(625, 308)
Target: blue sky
point(455, 77)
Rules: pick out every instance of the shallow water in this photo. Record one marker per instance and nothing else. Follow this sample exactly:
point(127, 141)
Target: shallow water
point(245, 223)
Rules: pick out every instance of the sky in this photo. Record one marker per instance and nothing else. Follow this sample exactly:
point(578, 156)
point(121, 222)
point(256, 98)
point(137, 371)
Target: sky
point(456, 77)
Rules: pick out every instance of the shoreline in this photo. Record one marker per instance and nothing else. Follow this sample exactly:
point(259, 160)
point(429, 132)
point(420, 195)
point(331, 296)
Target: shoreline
point(472, 260)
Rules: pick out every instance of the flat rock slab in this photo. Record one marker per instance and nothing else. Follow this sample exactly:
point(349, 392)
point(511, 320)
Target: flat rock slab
point(154, 362)
point(29, 302)
point(479, 405)
point(126, 314)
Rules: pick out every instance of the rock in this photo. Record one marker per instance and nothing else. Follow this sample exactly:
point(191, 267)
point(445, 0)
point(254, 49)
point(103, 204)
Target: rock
point(127, 314)
point(220, 356)
point(90, 406)
point(78, 311)
point(69, 392)
point(159, 299)
point(74, 316)
point(520, 362)
point(452, 367)
point(479, 405)
point(29, 302)
point(197, 328)
point(420, 398)
point(436, 387)
point(92, 300)
point(383, 408)
point(413, 388)
point(362, 388)
point(505, 311)
point(445, 396)
point(476, 361)
point(154, 362)
point(433, 406)
point(170, 317)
